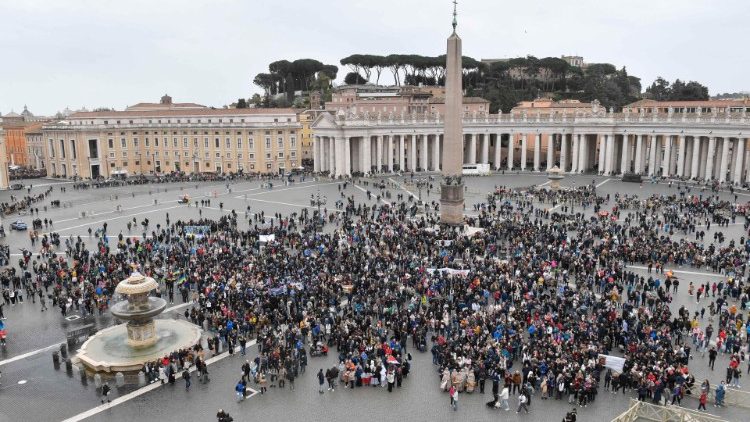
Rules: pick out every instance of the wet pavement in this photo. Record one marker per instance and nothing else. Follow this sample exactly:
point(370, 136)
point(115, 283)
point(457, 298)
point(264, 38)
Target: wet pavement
point(49, 394)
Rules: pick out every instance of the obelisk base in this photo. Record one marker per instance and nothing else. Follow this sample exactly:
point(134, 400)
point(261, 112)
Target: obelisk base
point(452, 204)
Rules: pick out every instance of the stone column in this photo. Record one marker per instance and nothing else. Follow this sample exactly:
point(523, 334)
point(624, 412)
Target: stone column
point(498, 152)
point(332, 154)
point(666, 171)
point(401, 154)
point(436, 153)
point(695, 166)
point(537, 151)
point(550, 151)
point(524, 147)
point(625, 165)
point(724, 166)
point(710, 157)
point(563, 153)
point(413, 153)
point(423, 153)
point(681, 156)
point(389, 153)
point(472, 149)
point(602, 153)
point(367, 162)
point(511, 152)
point(609, 141)
point(583, 152)
point(652, 156)
point(575, 156)
point(738, 164)
point(340, 150)
point(486, 148)
point(638, 167)
point(348, 156)
point(316, 154)
point(379, 154)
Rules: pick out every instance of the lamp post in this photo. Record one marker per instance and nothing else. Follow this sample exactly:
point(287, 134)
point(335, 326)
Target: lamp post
point(317, 201)
point(421, 183)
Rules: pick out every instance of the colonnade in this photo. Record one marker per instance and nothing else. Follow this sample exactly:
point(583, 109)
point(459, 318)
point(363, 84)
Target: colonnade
point(688, 156)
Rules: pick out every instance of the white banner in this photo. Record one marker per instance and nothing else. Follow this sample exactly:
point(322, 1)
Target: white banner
point(613, 362)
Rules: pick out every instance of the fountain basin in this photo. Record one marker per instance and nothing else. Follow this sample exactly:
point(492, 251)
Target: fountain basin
point(109, 350)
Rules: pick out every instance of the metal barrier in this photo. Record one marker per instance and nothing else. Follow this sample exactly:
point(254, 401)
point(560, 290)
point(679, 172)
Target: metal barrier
point(733, 397)
point(640, 410)
point(646, 411)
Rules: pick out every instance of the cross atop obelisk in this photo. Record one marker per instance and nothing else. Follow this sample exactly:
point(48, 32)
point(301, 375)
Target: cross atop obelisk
point(452, 188)
point(455, 22)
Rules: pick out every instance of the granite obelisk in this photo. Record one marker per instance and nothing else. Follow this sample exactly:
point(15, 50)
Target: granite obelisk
point(452, 188)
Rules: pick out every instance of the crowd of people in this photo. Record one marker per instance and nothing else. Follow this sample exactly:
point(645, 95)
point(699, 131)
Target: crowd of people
point(528, 301)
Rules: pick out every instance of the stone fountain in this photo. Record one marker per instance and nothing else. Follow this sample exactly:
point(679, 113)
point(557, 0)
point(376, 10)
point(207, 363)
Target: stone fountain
point(126, 347)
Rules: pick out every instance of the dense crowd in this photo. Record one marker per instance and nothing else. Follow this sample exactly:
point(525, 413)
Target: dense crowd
point(528, 301)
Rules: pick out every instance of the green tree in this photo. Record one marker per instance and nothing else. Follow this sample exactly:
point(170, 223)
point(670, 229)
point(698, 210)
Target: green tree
point(241, 103)
point(354, 78)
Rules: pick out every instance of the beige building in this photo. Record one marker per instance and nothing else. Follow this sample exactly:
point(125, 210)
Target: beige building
point(3, 160)
point(397, 100)
point(709, 106)
point(164, 137)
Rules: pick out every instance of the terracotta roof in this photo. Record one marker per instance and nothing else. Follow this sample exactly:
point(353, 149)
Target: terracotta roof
point(186, 113)
point(467, 100)
point(35, 128)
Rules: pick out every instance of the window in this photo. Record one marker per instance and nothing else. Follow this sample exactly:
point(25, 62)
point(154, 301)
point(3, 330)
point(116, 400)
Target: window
point(147, 143)
point(124, 163)
point(174, 142)
point(250, 143)
point(112, 155)
point(73, 149)
point(239, 143)
point(124, 154)
point(268, 143)
point(111, 143)
point(207, 155)
point(156, 142)
point(281, 143)
point(135, 143)
point(51, 148)
point(123, 143)
point(228, 143)
point(293, 142)
point(205, 142)
point(281, 154)
point(229, 155)
point(216, 142)
point(195, 143)
point(268, 156)
point(268, 166)
point(218, 155)
point(251, 156)
point(239, 155)
point(184, 142)
point(293, 154)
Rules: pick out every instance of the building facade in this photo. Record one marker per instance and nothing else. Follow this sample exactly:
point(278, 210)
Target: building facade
point(397, 100)
point(157, 139)
point(705, 146)
point(4, 176)
point(34, 146)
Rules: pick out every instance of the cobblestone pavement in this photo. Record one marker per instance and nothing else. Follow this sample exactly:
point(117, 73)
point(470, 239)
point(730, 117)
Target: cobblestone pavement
point(47, 394)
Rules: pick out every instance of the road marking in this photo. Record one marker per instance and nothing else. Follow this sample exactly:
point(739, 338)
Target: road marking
point(148, 388)
point(293, 188)
point(27, 354)
point(637, 267)
point(403, 188)
point(365, 191)
point(116, 218)
point(600, 184)
point(293, 205)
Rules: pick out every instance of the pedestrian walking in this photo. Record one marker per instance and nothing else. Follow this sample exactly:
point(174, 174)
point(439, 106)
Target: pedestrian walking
point(186, 377)
point(522, 403)
point(321, 381)
point(105, 392)
point(453, 393)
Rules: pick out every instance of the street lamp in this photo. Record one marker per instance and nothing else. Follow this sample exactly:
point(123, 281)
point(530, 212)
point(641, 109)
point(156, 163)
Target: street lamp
point(316, 200)
point(421, 183)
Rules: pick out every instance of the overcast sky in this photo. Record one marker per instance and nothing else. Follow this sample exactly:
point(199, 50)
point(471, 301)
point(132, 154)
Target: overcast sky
point(107, 53)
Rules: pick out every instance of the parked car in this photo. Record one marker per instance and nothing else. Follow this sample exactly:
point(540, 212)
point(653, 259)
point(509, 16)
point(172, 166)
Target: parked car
point(18, 225)
point(16, 186)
